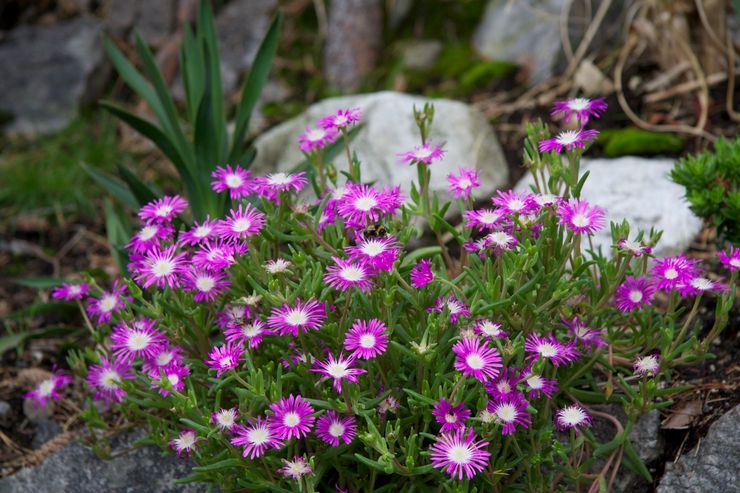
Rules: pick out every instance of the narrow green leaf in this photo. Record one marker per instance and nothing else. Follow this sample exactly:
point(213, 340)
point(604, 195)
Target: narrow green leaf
point(191, 61)
point(118, 235)
point(39, 282)
point(143, 192)
point(113, 185)
point(214, 91)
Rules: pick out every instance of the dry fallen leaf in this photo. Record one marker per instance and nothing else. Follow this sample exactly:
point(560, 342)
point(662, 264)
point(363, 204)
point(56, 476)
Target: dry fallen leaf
point(682, 415)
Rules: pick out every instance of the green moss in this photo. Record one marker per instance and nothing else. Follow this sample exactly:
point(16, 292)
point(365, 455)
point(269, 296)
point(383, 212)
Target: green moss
point(638, 142)
point(481, 74)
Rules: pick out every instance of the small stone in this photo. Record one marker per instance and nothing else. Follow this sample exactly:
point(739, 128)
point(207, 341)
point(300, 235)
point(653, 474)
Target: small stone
point(155, 21)
point(45, 431)
point(36, 413)
point(591, 80)
point(419, 55)
point(6, 413)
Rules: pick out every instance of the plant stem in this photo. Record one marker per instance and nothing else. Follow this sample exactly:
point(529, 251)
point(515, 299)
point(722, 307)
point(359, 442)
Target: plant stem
point(685, 326)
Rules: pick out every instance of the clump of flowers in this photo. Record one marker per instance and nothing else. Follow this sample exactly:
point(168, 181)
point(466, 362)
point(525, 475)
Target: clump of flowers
point(299, 343)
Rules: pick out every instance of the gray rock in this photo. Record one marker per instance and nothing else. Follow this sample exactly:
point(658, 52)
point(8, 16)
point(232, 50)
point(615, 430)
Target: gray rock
point(389, 129)
point(75, 468)
point(48, 71)
point(45, 431)
point(156, 21)
point(713, 465)
point(6, 412)
point(526, 32)
point(638, 190)
point(421, 54)
point(35, 413)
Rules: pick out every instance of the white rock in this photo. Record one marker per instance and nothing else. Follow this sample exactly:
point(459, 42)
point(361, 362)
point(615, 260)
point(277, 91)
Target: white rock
point(389, 129)
point(640, 191)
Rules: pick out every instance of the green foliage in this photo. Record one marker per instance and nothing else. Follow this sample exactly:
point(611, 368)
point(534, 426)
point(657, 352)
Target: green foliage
point(202, 142)
point(712, 182)
point(638, 142)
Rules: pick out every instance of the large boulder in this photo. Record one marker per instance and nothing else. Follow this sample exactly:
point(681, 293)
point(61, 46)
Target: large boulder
point(640, 191)
point(389, 129)
point(48, 72)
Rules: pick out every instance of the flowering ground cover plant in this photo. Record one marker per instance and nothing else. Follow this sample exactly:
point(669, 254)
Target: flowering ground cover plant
point(300, 344)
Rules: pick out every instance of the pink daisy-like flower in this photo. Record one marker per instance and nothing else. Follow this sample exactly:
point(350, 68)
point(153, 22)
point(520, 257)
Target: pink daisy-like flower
point(245, 332)
point(347, 274)
point(421, 273)
point(482, 219)
point(69, 292)
point(730, 258)
point(578, 216)
point(105, 379)
point(164, 356)
point(634, 247)
point(511, 202)
point(362, 204)
point(277, 266)
point(573, 416)
point(489, 329)
point(568, 139)
point(317, 138)
point(510, 412)
point(476, 359)
point(271, 185)
point(544, 199)
point(500, 241)
point(462, 185)
point(148, 237)
point(241, 223)
point(389, 405)
point(296, 468)
point(291, 417)
point(647, 365)
point(366, 339)
point(236, 180)
point(174, 375)
point(671, 272)
point(206, 285)
point(110, 302)
point(233, 315)
point(49, 389)
point(256, 438)
point(377, 253)
point(590, 338)
point(225, 357)
point(450, 417)
point(699, 285)
point(460, 453)
point(301, 317)
point(333, 428)
point(549, 348)
point(457, 308)
point(185, 442)
point(162, 268)
point(339, 369)
point(199, 233)
point(341, 119)
point(538, 385)
point(163, 210)
point(634, 293)
point(218, 254)
point(579, 108)
point(426, 154)
point(504, 386)
point(225, 419)
point(138, 338)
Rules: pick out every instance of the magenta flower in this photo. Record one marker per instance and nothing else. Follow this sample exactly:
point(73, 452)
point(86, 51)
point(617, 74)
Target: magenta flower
point(366, 339)
point(241, 223)
point(482, 218)
point(247, 332)
point(341, 119)
point(175, 377)
point(500, 241)
point(105, 379)
point(163, 210)
point(206, 285)
point(291, 417)
point(462, 185)
point(476, 359)
point(225, 419)
point(185, 442)
point(450, 417)
point(549, 348)
point(647, 365)
point(199, 233)
point(148, 237)
point(489, 329)
point(590, 338)
point(504, 386)
point(376, 253)
point(339, 369)
point(568, 139)
point(510, 412)
point(236, 180)
point(362, 204)
point(456, 308)
point(233, 315)
point(730, 258)
point(671, 272)
point(49, 389)
point(301, 317)
point(346, 275)
point(162, 268)
point(139, 338)
point(579, 108)
point(426, 154)
point(539, 385)
point(634, 247)
point(164, 356)
point(225, 357)
point(256, 438)
point(459, 453)
point(271, 185)
point(317, 138)
point(634, 293)
point(578, 216)
point(218, 255)
point(422, 274)
point(511, 202)
point(110, 302)
point(573, 416)
point(333, 428)
point(69, 292)
point(699, 285)
point(296, 468)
